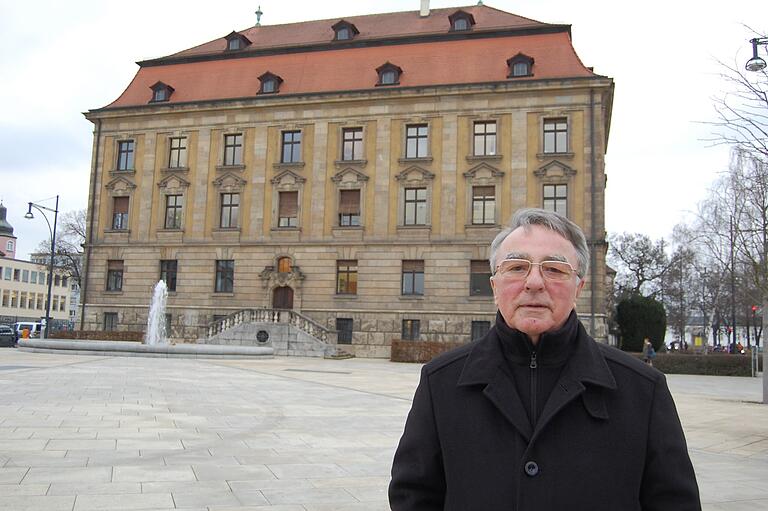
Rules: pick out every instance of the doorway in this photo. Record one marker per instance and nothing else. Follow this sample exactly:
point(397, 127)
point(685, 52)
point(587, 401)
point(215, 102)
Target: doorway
point(282, 298)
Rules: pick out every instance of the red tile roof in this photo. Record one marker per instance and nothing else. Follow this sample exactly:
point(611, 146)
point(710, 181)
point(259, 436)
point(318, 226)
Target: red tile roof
point(208, 72)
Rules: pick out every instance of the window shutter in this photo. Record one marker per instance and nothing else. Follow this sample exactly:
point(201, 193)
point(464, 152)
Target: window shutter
point(480, 267)
point(413, 266)
point(483, 191)
point(289, 204)
point(349, 203)
point(121, 205)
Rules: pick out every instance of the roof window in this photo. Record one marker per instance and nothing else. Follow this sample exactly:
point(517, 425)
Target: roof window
point(344, 31)
point(237, 41)
point(461, 21)
point(520, 65)
point(270, 83)
point(389, 74)
point(161, 92)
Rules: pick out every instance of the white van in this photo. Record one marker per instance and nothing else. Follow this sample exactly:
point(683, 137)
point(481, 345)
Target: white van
point(34, 328)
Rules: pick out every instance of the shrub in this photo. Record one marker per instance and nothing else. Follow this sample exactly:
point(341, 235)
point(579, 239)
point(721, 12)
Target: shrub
point(712, 364)
point(639, 317)
point(99, 335)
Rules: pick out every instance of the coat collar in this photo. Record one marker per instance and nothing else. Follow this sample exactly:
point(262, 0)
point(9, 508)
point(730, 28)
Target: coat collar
point(585, 373)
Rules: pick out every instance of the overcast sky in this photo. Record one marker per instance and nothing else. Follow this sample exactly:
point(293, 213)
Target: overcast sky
point(60, 59)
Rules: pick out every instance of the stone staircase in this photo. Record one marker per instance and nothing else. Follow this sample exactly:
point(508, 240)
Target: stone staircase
point(286, 331)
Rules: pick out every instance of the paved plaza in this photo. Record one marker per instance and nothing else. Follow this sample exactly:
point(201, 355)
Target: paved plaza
point(81, 433)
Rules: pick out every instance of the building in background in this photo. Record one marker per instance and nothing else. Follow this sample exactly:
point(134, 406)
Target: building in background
point(24, 285)
point(353, 170)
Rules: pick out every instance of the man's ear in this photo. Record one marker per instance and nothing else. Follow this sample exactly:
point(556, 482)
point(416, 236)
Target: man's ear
point(580, 286)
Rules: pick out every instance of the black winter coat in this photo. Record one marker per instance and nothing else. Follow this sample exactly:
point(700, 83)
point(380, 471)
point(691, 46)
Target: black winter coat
point(609, 438)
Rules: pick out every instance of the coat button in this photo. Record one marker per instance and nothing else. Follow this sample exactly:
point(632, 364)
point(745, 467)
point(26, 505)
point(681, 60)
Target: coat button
point(531, 468)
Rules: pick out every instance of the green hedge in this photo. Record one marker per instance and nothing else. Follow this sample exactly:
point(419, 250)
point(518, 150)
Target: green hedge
point(712, 364)
point(419, 351)
point(99, 335)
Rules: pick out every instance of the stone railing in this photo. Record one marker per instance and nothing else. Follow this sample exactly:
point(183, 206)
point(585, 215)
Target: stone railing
point(295, 319)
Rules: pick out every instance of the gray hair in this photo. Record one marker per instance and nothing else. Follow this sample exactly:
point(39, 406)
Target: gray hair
point(551, 220)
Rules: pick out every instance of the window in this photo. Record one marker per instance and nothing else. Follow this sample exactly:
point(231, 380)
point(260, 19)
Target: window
point(480, 278)
point(344, 31)
point(483, 205)
point(25, 275)
point(284, 265)
point(120, 213)
point(556, 198)
point(125, 150)
point(343, 34)
point(291, 147)
point(230, 210)
point(344, 328)
point(411, 329)
point(234, 44)
point(556, 135)
point(168, 273)
point(352, 144)
point(461, 20)
point(288, 209)
point(349, 208)
point(173, 209)
point(64, 281)
point(236, 41)
point(416, 141)
point(9, 246)
point(161, 92)
point(233, 149)
point(485, 138)
point(479, 329)
point(115, 275)
point(168, 323)
point(6, 297)
point(16, 275)
point(413, 278)
point(177, 157)
point(461, 24)
point(8, 273)
point(110, 321)
point(270, 83)
point(389, 74)
point(415, 206)
point(225, 276)
point(23, 301)
point(33, 277)
point(346, 277)
point(520, 65)
point(56, 280)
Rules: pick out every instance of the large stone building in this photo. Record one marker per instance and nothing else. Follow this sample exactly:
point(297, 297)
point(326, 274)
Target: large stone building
point(353, 170)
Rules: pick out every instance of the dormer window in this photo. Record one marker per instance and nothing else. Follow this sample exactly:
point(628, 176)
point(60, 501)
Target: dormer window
point(344, 31)
point(237, 41)
point(270, 83)
point(161, 92)
point(389, 74)
point(461, 21)
point(520, 65)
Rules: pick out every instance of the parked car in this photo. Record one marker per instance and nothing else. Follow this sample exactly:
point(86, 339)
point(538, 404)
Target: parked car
point(7, 336)
point(34, 328)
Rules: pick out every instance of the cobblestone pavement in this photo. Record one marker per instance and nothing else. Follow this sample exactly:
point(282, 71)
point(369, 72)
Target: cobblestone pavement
point(82, 433)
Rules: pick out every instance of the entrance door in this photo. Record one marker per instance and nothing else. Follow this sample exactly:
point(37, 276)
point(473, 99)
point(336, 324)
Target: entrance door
point(282, 298)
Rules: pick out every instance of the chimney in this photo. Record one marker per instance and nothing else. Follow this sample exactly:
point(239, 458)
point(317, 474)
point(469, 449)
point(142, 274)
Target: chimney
point(424, 8)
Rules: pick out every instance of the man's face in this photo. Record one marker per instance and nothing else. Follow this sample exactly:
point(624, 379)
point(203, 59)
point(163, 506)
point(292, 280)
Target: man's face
point(535, 305)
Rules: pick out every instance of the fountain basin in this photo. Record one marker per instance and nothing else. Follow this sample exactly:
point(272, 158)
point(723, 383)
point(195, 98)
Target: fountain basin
point(136, 349)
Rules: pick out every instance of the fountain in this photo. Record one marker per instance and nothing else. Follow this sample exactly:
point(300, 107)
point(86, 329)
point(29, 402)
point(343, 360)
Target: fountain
point(156, 333)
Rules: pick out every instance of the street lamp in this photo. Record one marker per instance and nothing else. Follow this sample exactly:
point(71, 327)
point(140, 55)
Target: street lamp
point(756, 63)
point(30, 216)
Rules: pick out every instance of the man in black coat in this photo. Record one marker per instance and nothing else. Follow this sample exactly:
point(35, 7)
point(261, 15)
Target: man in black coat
point(537, 416)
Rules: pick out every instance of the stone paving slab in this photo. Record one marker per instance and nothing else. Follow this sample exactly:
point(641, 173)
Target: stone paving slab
point(90, 433)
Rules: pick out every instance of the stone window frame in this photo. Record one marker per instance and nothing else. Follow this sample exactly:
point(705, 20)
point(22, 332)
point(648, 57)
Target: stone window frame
point(130, 164)
point(170, 150)
point(119, 187)
point(482, 174)
point(414, 177)
point(556, 173)
point(553, 116)
point(220, 274)
point(110, 321)
point(111, 285)
point(356, 272)
point(281, 147)
point(361, 160)
point(486, 120)
point(228, 183)
point(350, 179)
point(412, 270)
point(413, 124)
point(223, 159)
point(287, 181)
point(172, 185)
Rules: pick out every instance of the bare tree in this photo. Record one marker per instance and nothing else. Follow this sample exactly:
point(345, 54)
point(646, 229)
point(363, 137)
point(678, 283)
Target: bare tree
point(640, 263)
point(70, 237)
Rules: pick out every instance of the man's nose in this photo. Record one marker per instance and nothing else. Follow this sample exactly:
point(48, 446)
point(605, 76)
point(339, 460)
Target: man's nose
point(535, 278)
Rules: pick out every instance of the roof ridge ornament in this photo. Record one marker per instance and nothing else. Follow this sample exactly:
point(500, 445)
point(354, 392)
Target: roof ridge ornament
point(259, 14)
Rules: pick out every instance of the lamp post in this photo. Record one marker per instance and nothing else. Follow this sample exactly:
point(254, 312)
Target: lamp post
point(30, 216)
point(756, 63)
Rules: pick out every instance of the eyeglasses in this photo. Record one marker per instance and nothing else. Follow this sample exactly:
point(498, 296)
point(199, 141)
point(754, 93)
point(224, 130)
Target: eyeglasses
point(519, 269)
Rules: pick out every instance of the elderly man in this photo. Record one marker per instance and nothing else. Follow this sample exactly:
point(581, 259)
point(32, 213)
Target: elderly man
point(537, 416)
